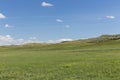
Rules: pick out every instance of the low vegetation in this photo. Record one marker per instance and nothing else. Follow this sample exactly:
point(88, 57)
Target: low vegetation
point(89, 59)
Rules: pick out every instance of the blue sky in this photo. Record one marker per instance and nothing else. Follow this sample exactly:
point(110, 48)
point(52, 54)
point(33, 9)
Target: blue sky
point(46, 20)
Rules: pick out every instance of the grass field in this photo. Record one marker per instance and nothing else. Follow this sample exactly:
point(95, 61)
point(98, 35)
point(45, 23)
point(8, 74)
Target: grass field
point(77, 60)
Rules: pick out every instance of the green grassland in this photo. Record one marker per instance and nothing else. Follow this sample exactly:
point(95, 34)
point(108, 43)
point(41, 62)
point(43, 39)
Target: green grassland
point(90, 59)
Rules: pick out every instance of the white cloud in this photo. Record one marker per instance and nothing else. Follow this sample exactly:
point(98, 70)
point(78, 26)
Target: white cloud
point(59, 20)
point(6, 38)
point(8, 26)
point(110, 17)
point(60, 40)
point(9, 40)
point(45, 4)
point(2, 16)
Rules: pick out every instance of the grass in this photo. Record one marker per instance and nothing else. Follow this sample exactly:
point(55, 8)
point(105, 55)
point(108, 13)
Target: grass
point(77, 60)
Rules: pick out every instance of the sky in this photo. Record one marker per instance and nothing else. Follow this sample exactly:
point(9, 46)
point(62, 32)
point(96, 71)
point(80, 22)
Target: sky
point(23, 21)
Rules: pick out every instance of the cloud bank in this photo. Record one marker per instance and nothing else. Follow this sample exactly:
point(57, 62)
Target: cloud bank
point(9, 40)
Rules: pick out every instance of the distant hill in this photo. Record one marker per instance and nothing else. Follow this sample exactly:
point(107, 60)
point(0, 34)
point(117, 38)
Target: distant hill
point(102, 38)
point(101, 41)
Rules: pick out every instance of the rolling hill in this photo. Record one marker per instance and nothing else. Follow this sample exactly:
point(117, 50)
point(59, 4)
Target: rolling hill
point(89, 59)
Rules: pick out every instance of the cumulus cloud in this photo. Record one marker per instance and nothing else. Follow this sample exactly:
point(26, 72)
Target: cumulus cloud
point(9, 40)
point(2, 16)
point(110, 17)
point(46, 4)
point(59, 20)
point(6, 40)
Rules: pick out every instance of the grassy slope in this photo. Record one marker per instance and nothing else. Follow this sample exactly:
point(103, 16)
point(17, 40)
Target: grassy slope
point(77, 60)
